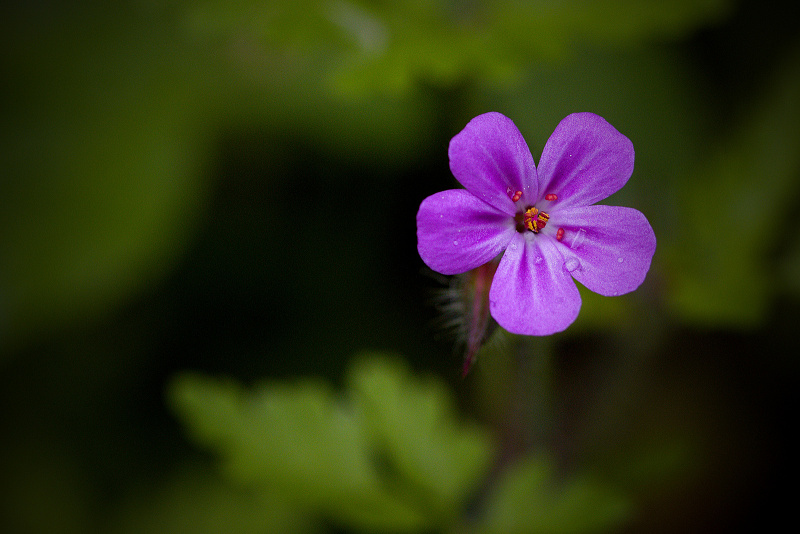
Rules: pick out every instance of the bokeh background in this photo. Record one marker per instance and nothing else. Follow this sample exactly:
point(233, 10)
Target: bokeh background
point(229, 189)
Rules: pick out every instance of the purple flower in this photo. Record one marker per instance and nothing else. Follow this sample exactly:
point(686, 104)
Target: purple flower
point(543, 218)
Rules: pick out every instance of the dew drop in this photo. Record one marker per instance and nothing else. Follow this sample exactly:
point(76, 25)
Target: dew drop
point(620, 259)
point(538, 260)
point(455, 242)
point(572, 264)
point(580, 235)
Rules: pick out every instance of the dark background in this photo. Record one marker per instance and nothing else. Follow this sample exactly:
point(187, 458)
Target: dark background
point(232, 189)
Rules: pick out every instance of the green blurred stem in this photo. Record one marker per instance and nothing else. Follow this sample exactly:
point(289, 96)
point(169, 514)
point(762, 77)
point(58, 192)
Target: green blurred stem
point(518, 374)
point(527, 423)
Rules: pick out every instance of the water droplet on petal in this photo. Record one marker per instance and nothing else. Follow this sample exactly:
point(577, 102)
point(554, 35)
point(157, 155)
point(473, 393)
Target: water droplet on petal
point(455, 242)
point(538, 260)
point(580, 235)
point(572, 264)
point(620, 259)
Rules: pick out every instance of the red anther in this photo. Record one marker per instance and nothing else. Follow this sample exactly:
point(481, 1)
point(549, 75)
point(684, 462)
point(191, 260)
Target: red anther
point(517, 196)
point(560, 234)
point(551, 196)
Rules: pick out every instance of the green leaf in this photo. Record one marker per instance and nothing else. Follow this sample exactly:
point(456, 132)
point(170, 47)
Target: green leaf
point(389, 455)
point(530, 499)
point(430, 451)
point(193, 501)
point(295, 439)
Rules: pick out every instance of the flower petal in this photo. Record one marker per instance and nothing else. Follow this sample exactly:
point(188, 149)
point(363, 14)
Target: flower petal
point(457, 232)
point(613, 245)
point(491, 159)
point(532, 293)
point(585, 160)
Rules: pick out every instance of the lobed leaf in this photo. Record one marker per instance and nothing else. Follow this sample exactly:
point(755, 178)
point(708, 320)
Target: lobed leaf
point(529, 500)
point(389, 455)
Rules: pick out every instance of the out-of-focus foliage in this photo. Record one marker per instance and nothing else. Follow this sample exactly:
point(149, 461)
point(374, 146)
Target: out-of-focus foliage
point(390, 46)
point(735, 210)
point(390, 454)
point(193, 501)
point(413, 421)
point(108, 118)
point(530, 498)
point(102, 151)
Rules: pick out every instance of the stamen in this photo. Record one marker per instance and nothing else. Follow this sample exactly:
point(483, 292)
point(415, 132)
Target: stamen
point(517, 196)
point(560, 234)
point(542, 219)
point(529, 218)
point(534, 220)
point(551, 197)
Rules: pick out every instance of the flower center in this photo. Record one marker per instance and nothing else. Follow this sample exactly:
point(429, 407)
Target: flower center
point(532, 220)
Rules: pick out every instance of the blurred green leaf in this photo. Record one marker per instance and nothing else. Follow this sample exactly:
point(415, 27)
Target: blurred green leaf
point(393, 458)
point(102, 155)
point(296, 440)
point(192, 501)
point(734, 212)
point(530, 499)
point(415, 421)
point(369, 46)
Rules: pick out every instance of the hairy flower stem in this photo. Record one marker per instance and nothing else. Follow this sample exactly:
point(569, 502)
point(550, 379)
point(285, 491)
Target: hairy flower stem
point(479, 324)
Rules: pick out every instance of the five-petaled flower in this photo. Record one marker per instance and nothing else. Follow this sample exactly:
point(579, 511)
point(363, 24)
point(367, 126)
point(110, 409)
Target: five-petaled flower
point(545, 219)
